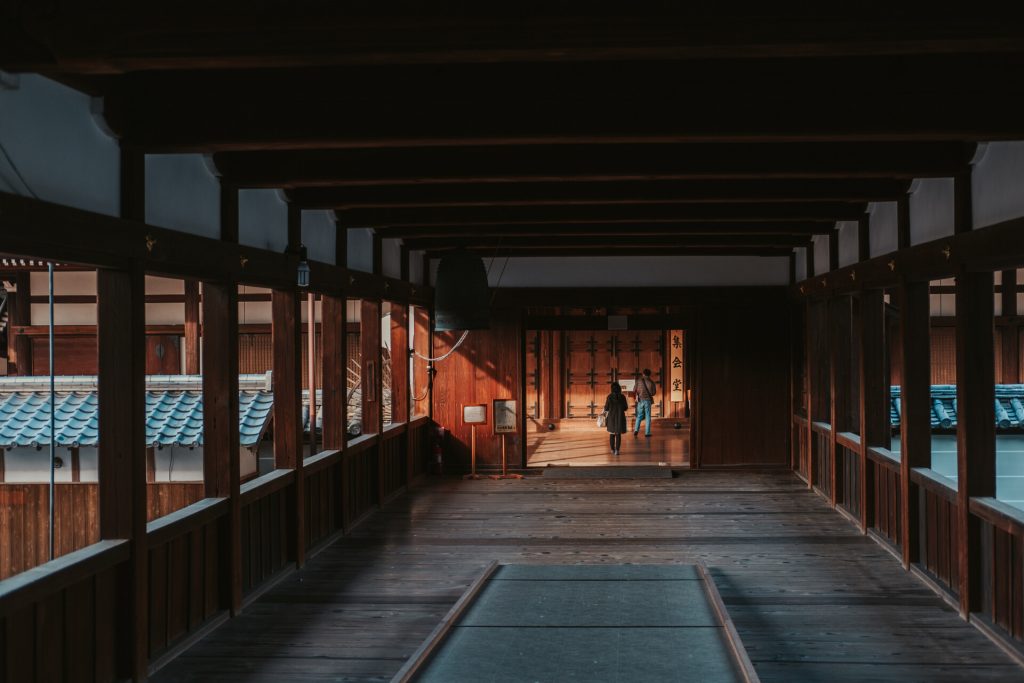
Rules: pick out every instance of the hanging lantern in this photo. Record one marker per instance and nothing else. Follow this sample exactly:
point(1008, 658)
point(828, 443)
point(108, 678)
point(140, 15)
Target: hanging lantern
point(461, 294)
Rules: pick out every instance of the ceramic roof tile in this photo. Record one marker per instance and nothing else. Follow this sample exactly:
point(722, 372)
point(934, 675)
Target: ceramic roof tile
point(1009, 406)
point(173, 417)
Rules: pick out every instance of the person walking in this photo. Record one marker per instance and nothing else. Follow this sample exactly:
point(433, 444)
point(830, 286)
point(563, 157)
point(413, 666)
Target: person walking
point(644, 392)
point(615, 407)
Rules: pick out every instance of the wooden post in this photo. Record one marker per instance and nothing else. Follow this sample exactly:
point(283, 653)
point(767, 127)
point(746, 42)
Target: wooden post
point(121, 390)
point(335, 371)
point(839, 338)
point(403, 272)
point(421, 343)
point(20, 313)
point(294, 228)
point(874, 394)
point(377, 258)
point(809, 257)
point(192, 327)
point(903, 221)
point(833, 250)
point(220, 422)
point(369, 338)
point(811, 388)
point(1010, 330)
point(285, 335)
point(864, 237)
point(340, 244)
point(976, 436)
point(311, 367)
point(228, 211)
point(399, 362)
point(915, 398)
point(792, 268)
point(963, 218)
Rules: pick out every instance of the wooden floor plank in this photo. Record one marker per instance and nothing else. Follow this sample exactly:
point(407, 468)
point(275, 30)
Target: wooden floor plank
point(811, 597)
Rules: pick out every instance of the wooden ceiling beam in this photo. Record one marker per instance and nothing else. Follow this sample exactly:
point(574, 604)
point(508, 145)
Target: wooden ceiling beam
point(625, 240)
point(67, 37)
point(621, 250)
point(545, 230)
point(602, 163)
point(582, 193)
point(612, 213)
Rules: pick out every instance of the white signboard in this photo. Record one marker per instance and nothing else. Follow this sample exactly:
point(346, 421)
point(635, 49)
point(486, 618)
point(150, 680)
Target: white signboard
point(475, 414)
point(505, 416)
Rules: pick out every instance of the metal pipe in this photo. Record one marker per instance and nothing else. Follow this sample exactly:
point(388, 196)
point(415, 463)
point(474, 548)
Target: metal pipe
point(53, 413)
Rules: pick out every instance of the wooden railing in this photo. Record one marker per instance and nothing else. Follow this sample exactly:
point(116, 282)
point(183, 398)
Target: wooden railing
point(393, 468)
point(360, 490)
point(419, 446)
point(1002, 559)
point(60, 616)
point(267, 527)
point(939, 536)
point(848, 467)
point(24, 533)
point(323, 496)
point(821, 454)
point(801, 448)
point(887, 499)
point(187, 551)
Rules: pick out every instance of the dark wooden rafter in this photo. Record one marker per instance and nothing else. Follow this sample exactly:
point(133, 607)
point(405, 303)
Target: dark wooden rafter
point(471, 194)
point(559, 163)
point(624, 240)
point(611, 229)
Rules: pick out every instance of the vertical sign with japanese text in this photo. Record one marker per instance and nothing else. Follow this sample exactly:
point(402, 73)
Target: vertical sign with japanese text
point(675, 360)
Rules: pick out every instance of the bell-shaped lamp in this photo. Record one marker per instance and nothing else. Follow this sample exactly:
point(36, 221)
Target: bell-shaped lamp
point(461, 293)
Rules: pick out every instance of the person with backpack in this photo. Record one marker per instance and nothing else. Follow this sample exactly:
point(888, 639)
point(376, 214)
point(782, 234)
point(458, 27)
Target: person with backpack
point(644, 392)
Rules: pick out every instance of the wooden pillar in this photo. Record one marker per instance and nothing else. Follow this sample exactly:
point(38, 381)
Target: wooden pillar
point(20, 313)
point(192, 327)
point(228, 211)
point(335, 373)
point(220, 423)
point(399, 362)
point(839, 339)
point(963, 218)
point(903, 221)
point(377, 256)
point(133, 184)
point(833, 250)
point(809, 358)
point(121, 390)
point(369, 338)
point(976, 435)
point(864, 237)
point(915, 398)
point(286, 340)
point(874, 394)
point(403, 272)
point(421, 373)
point(294, 228)
point(426, 269)
point(1010, 330)
point(809, 257)
point(792, 268)
point(340, 245)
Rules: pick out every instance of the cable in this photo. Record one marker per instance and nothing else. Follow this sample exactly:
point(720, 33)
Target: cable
point(441, 358)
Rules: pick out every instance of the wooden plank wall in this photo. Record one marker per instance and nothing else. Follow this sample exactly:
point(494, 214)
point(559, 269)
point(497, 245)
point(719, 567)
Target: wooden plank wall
point(742, 389)
point(24, 518)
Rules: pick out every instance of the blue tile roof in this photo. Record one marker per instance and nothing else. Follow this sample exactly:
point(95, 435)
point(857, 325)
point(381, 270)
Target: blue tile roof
point(173, 417)
point(1009, 406)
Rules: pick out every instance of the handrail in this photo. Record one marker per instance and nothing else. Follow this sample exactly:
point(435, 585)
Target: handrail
point(264, 485)
point(162, 530)
point(48, 578)
point(821, 427)
point(315, 463)
point(931, 480)
point(360, 444)
point(415, 422)
point(848, 440)
point(802, 419)
point(999, 514)
point(394, 429)
point(884, 457)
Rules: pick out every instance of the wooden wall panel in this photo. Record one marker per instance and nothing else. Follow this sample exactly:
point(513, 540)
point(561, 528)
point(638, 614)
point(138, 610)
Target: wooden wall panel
point(484, 368)
point(943, 355)
point(742, 390)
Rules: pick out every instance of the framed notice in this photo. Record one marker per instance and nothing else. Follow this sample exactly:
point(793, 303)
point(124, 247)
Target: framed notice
point(505, 420)
point(675, 364)
point(628, 386)
point(474, 414)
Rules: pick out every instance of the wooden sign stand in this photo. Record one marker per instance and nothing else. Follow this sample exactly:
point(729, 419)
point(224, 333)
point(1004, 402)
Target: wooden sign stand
point(472, 455)
point(504, 465)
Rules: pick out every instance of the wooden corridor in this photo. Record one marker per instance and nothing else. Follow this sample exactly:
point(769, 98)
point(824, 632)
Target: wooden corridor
point(812, 598)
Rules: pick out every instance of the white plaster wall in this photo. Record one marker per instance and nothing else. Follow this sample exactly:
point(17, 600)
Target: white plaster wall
point(931, 209)
point(58, 147)
point(849, 242)
point(360, 249)
point(178, 463)
point(353, 311)
point(254, 312)
point(416, 266)
point(821, 251)
point(263, 220)
point(164, 314)
point(319, 234)
point(884, 229)
point(638, 271)
point(182, 194)
point(997, 184)
point(391, 258)
point(801, 263)
point(28, 465)
point(73, 282)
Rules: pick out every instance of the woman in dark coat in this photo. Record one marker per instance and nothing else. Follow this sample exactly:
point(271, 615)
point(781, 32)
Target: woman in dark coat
point(615, 407)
